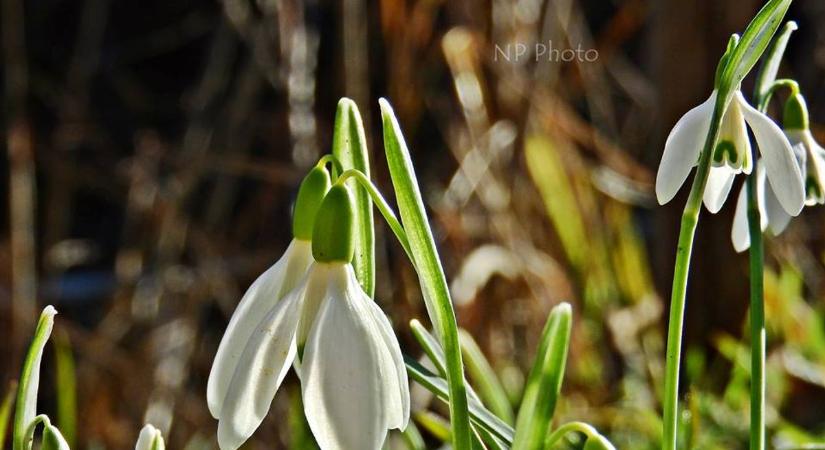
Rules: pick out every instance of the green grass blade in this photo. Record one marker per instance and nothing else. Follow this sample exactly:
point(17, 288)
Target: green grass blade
point(544, 382)
point(25, 409)
point(479, 415)
point(412, 438)
point(430, 272)
point(66, 387)
point(349, 145)
point(430, 346)
point(491, 391)
point(5, 412)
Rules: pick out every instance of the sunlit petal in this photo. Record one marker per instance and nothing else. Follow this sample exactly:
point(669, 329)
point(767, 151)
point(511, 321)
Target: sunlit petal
point(393, 371)
point(682, 149)
point(783, 172)
point(264, 293)
point(261, 368)
point(720, 180)
point(150, 438)
point(739, 234)
point(343, 397)
point(734, 131)
point(778, 218)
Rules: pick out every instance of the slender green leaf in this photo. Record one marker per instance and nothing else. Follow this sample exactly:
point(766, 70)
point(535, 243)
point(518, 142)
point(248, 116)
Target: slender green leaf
point(5, 412)
point(412, 437)
point(479, 415)
point(753, 43)
point(770, 65)
point(544, 382)
point(434, 424)
point(490, 389)
point(349, 145)
point(430, 273)
point(25, 409)
point(430, 346)
point(66, 388)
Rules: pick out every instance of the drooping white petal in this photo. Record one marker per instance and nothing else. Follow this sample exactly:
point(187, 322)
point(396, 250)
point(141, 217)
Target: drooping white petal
point(778, 218)
point(720, 180)
point(682, 149)
point(783, 172)
point(739, 233)
point(816, 169)
point(342, 391)
point(150, 439)
point(393, 372)
point(264, 293)
point(260, 371)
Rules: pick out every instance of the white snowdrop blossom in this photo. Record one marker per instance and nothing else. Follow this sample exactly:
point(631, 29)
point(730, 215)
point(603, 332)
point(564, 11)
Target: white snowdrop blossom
point(150, 438)
point(354, 382)
point(813, 165)
point(731, 156)
point(772, 215)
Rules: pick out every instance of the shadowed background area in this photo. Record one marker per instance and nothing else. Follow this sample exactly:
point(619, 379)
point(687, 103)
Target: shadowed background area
point(153, 150)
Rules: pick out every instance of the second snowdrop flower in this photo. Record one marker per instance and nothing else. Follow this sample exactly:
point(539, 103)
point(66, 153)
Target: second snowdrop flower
point(150, 438)
point(354, 382)
point(731, 155)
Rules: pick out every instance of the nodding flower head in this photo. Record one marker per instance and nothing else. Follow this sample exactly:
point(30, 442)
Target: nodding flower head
point(730, 156)
point(150, 438)
point(343, 347)
point(798, 131)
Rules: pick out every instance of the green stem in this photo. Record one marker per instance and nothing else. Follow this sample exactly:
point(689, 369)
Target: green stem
point(690, 219)
point(382, 205)
point(562, 431)
point(757, 318)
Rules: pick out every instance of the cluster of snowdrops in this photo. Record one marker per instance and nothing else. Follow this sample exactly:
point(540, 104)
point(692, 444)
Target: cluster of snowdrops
point(313, 310)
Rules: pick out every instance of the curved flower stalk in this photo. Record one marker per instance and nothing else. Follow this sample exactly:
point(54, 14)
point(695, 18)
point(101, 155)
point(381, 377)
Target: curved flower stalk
point(150, 438)
point(731, 155)
point(346, 355)
point(267, 291)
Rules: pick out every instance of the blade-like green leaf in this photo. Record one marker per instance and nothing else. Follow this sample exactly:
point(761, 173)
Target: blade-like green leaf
point(25, 409)
point(544, 382)
point(412, 437)
point(430, 273)
point(66, 388)
point(5, 412)
point(770, 65)
point(753, 43)
point(490, 389)
point(430, 346)
point(479, 415)
point(349, 145)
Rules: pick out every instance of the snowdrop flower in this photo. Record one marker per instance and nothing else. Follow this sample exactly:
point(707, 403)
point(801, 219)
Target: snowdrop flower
point(810, 158)
point(353, 379)
point(150, 439)
point(731, 156)
point(267, 291)
point(52, 438)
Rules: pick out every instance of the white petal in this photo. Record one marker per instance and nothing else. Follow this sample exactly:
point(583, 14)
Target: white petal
point(783, 172)
point(393, 372)
point(342, 392)
point(260, 371)
point(682, 149)
point(149, 436)
point(720, 180)
point(778, 218)
point(817, 166)
point(264, 293)
point(739, 234)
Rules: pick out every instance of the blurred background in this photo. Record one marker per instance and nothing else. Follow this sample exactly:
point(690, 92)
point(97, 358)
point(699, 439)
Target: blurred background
point(152, 154)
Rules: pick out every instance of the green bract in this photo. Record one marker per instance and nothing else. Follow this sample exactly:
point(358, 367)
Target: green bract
point(333, 233)
point(753, 43)
point(313, 188)
point(795, 116)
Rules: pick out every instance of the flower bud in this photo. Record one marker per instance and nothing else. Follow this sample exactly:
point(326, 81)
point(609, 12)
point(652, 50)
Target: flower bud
point(52, 439)
point(150, 439)
point(333, 234)
point(310, 195)
point(795, 115)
